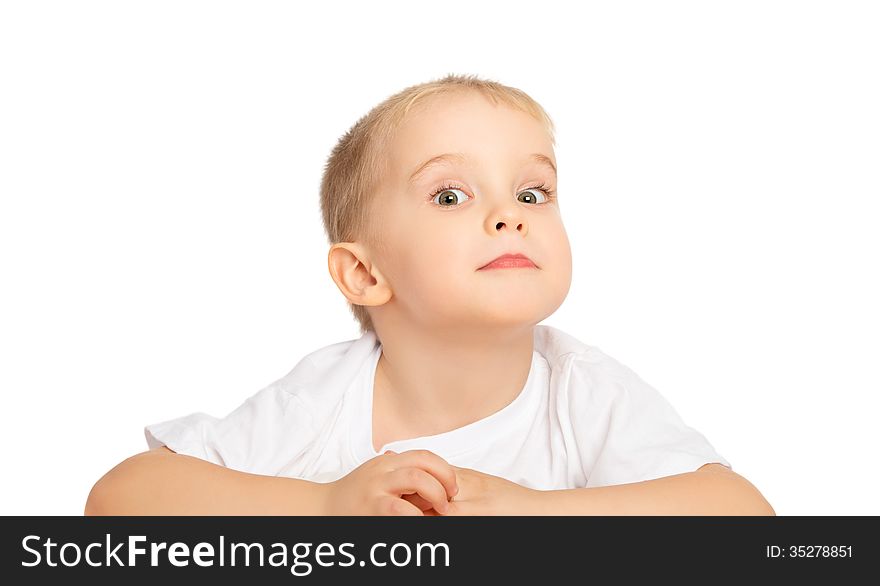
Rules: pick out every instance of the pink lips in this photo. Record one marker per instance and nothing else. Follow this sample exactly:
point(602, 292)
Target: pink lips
point(510, 261)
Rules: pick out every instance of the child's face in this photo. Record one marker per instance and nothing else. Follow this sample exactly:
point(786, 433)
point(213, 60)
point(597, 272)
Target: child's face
point(436, 244)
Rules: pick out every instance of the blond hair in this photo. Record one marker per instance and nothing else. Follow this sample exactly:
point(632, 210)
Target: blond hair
point(358, 162)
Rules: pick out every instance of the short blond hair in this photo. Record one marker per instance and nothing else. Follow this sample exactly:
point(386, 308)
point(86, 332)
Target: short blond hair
point(358, 162)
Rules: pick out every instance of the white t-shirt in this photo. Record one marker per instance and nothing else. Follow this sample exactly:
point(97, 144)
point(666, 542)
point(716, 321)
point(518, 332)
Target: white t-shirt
point(582, 419)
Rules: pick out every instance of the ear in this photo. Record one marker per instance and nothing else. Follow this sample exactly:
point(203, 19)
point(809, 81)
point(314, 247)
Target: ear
point(356, 276)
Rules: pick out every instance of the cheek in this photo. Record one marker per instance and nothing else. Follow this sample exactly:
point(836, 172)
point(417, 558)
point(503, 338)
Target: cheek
point(562, 265)
point(435, 262)
point(563, 258)
point(559, 246)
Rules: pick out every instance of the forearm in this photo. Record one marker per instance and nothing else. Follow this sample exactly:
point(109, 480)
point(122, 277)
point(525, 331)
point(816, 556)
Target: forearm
point(704, 492)
point(173, 484)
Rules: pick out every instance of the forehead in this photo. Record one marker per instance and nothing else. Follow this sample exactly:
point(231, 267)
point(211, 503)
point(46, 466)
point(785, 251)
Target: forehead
point(470, 125)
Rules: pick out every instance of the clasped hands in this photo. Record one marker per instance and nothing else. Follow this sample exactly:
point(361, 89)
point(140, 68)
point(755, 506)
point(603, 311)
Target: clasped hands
point(419, 482)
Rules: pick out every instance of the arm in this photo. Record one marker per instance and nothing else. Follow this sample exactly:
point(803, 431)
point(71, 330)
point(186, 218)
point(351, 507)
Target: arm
point(712, 490)
point(162, 482)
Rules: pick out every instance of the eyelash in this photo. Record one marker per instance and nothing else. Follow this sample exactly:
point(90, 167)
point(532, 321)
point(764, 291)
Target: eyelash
point(548, 193)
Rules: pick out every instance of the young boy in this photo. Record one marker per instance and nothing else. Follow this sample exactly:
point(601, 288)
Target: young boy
point(447, 241)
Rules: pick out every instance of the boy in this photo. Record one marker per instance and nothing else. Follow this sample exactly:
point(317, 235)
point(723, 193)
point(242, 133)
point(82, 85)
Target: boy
point(447, 242)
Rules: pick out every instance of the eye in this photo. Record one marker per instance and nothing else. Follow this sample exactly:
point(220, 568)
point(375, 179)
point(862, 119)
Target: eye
point(546, 194)
point(446, 194)
point(448, 199)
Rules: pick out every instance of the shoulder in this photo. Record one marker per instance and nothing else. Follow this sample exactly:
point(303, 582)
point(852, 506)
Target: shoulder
point(575, 361)
point(320, 375)
point(566, 352)
point(592, 382)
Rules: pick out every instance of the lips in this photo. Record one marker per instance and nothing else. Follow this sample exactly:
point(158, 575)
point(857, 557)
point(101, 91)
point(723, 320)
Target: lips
point(510, 261)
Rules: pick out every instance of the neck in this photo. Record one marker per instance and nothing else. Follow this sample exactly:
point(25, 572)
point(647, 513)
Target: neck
point(432, 382)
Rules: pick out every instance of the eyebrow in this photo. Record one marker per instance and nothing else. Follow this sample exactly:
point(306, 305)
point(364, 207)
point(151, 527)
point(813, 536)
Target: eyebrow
point(452, 158)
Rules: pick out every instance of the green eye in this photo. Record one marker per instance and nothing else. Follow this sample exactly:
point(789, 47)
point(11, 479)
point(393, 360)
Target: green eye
point(446, 196)
point(535, 189)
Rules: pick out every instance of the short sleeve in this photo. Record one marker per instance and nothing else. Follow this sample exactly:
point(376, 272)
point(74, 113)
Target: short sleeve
point(636, 433)
point(262, 436)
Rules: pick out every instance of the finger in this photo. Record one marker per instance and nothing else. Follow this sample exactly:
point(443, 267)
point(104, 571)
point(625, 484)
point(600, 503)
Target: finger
point(434, 465)
point(426, 507)
point(418, 501)
point(410, 480)
point(460, 509)
point(421, 488)
point(398, 507)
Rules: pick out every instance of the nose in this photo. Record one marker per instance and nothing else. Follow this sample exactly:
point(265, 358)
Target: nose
point(503, 224)
point(504, 213)
point(511, 218)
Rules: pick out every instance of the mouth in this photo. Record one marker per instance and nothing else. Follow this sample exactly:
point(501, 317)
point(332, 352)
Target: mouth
point(510, 261)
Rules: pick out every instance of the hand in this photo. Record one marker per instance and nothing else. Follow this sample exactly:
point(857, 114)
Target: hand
point(485, 494)
point(408, 483)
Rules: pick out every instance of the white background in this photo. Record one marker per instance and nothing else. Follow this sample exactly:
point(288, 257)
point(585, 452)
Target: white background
point(162, 251)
